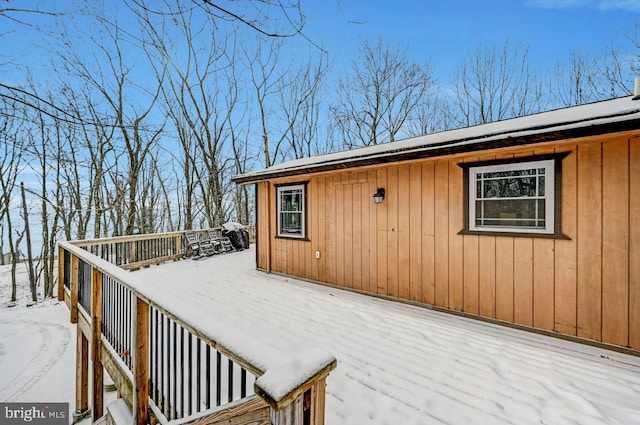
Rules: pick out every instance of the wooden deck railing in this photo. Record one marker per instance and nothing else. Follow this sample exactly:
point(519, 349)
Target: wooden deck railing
point(168, 367)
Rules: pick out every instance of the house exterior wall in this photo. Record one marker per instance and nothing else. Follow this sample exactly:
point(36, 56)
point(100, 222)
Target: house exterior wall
point(409, 246)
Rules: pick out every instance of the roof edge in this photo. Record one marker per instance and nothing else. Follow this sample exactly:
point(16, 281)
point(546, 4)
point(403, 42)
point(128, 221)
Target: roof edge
point(443, 149)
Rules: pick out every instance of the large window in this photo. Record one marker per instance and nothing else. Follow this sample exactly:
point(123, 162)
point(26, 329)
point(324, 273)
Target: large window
point(291, 210)
point(512, 197)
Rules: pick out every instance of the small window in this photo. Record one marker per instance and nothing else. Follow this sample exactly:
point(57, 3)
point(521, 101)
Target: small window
point(291, 211)
point(512, 197)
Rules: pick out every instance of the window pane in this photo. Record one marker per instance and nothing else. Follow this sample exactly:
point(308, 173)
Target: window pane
point(509, 187)
point(541, 208)
point(291, 200)
point(507, 174)
point(541, 186)
point(291, 223)
point(510, 213)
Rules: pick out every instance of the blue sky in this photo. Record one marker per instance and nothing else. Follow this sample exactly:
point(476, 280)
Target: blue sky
point(442, 31)
point(448, 31)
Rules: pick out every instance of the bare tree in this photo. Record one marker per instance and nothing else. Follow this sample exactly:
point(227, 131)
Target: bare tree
point(45, 140)
point(618, 69)
point(576, 82)
point(433, 115)
point(495, 84)
point(379, 93)
point(12, 148)
point(300, 107)
point(197, 99)
point(268, 77)
point(110, 74)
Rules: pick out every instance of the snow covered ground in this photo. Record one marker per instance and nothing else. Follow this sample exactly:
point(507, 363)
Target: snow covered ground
point(37, 346)
point(401, 364)
point(397, 364)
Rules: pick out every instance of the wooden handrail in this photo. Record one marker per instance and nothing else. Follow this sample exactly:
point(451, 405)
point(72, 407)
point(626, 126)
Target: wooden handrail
point(267, 363)
point(145, 237)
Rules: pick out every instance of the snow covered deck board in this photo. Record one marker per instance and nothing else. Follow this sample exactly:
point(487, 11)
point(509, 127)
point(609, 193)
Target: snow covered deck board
point(404, 364)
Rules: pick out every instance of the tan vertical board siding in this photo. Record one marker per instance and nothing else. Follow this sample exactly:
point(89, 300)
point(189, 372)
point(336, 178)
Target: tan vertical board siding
point(404, 232)
point(297, 268)
point(267, 244)
point(415, 232)
point(365, 228)
point(504, 278)
point(487, 276)
point(338, 234)
point(442, 233)
point(292, 257)
point(470, 267)
point(382, 232)
point(615, 242)
point(391, 203)
point(314, 218)
point(261, 216)
point(543, 284)
point(456, 283)
point(356, 220)
point(472, 261)
point(372, 284)
point(332, 183)
point(589, 241)
point(322, 243)
point(566, 283)
point(276, 255)
point(523, 281)
point(634, 243)
point(428, 233)
point(348, 235)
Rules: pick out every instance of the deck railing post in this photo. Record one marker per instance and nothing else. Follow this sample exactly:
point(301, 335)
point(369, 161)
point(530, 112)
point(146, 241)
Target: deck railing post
point(317, 398)
point(132, 252)
point(82, 376)
point(297, 399)
point(74, 288)
point(288, 415)
point(61, 266)
point(141, 362)
point(307, 409)
point(178, 244)
point(96, 343)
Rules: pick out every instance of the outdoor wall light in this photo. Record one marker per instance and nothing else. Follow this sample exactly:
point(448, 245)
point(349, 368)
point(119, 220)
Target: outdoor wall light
point(379, 195)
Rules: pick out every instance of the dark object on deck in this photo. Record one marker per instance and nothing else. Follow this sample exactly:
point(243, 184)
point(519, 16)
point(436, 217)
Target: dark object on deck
point(239, 237)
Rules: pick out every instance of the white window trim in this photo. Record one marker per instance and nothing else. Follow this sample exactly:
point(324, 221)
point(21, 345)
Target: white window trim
point(548, 165)
point(279, 190)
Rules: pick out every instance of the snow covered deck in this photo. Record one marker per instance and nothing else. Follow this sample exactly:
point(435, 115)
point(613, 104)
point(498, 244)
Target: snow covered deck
point(401, 364)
